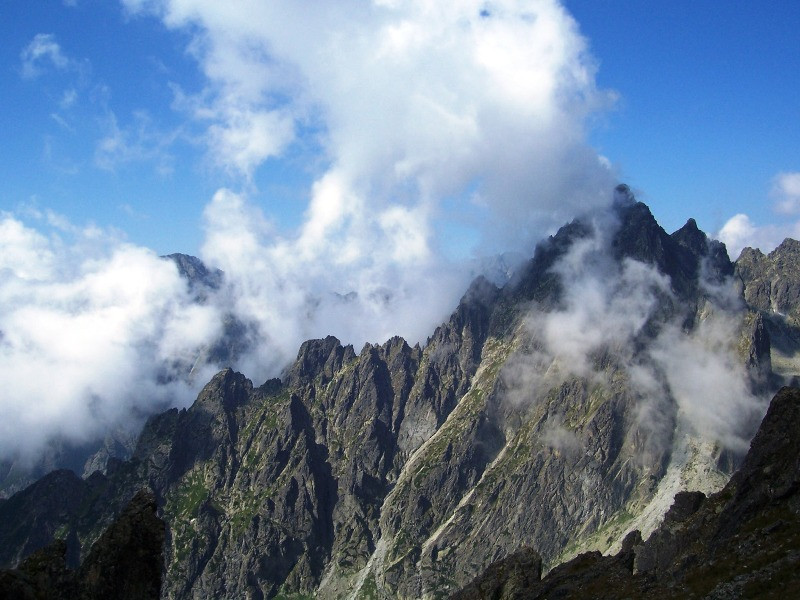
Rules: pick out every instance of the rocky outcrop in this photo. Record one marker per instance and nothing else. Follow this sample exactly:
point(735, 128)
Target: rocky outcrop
point(126, 561)
point(772, 282)
point(771, 288)
point(33, 517)
point(200, 278)
point(506, 578)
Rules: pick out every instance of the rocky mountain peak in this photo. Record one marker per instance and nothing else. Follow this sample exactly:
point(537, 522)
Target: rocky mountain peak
point(690, 237)
point(771, 283)
point(195, 271)
point(319, 358)
point(683, 256)
point(227, 390)
point(771, 468)
point(788, 248)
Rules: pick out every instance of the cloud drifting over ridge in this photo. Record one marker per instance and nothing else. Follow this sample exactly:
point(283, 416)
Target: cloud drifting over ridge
point(423, 113)
point(618, 311)
point(419, 114)
point(88, 333)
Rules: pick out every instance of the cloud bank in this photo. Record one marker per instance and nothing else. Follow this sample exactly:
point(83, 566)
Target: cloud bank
point(91, 334)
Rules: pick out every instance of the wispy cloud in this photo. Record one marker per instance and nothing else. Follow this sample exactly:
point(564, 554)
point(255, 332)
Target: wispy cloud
point(42, 52)
point(694, 377)
point(139, 141)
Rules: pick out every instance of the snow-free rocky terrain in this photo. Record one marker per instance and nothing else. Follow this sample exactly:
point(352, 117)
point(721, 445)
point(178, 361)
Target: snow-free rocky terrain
point(552, 416)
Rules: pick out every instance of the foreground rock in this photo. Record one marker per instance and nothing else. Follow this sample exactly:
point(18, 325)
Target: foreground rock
point(125, 563)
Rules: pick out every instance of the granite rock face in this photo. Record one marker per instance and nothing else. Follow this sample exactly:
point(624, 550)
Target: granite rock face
point(404, 471)
point(771, 288)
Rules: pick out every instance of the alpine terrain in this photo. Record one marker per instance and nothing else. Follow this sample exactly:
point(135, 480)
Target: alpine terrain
point(556, 415)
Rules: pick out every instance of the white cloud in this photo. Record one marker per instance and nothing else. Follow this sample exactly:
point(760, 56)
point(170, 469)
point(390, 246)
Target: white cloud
point(43, 49)
point(412, 102)
point(606, 305)
point(248, 138)
point(708, 381)
point(91, 330)
point(786, 190)
point(290, 289)
point(418, 111)
point(740, 232)
point(24, 253)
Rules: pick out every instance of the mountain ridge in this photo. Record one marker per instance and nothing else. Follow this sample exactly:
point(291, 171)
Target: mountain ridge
point(394, 472)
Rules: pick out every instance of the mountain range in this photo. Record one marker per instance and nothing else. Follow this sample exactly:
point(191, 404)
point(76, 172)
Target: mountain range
point(558, 414)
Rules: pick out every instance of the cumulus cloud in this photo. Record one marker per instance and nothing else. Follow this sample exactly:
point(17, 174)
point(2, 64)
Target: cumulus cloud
point(411, 102)
point(410, 114)
point(740, 232)
point(419, 113)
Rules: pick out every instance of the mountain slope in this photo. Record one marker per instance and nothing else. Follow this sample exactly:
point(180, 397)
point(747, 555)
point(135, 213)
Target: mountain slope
point(616, 368)
point(742, 542)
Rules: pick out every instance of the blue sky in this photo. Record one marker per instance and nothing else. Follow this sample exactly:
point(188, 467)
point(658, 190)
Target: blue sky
point(709, 109)
point(707, 115)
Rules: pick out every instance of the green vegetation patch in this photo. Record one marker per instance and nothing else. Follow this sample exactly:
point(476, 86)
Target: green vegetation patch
point(184, 501)
point(284, 594)
point(369, 589)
